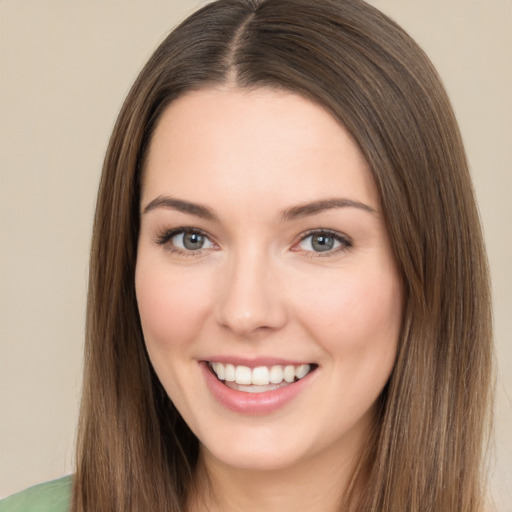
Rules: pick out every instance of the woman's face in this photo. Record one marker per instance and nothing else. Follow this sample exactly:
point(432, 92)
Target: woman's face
point(269, 297)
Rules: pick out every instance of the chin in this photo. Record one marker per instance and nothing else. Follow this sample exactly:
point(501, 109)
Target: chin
point(250, 459)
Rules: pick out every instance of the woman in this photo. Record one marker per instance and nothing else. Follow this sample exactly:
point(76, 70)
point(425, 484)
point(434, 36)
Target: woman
point(288, 300)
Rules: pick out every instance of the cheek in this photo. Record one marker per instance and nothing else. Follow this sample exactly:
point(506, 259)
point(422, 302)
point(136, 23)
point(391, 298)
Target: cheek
point(170, 309)
point(354, 314)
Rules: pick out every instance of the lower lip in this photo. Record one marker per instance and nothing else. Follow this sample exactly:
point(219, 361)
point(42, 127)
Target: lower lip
point(253, 403)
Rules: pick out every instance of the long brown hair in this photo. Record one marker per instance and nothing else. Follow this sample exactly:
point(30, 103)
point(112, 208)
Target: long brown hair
point(134, 450)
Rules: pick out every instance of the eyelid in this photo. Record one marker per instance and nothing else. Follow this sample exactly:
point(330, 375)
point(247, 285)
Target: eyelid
point(166, 236)
point(344, 240)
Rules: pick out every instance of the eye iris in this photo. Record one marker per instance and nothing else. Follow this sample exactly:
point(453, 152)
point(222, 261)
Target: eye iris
point(322, 243)
point(193, 241)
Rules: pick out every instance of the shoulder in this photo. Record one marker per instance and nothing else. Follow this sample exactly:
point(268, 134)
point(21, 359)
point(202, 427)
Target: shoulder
point(54, 496)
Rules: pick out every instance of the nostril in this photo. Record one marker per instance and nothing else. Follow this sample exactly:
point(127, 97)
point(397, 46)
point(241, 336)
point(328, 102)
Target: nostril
point(249, 300)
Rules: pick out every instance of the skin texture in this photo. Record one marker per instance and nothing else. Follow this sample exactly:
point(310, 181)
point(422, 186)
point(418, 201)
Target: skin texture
point(259, 289)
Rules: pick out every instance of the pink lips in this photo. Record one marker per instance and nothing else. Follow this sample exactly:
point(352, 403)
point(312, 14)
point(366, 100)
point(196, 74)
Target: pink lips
point(252, 403)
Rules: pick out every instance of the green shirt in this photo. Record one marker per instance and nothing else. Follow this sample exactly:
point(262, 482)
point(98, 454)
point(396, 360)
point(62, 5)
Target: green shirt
point(54, 496)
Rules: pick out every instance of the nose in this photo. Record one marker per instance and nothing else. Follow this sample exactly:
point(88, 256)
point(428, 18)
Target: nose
point(251, 299)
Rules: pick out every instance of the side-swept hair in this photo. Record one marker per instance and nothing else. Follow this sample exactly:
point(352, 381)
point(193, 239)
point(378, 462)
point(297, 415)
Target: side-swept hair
point(135, 453)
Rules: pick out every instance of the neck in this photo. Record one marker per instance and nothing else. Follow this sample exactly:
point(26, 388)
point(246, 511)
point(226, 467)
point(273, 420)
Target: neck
point(320, 483)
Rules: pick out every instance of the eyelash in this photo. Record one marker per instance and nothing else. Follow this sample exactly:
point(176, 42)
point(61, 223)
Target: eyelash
point(343, 240)
point(167, 236)
point(164, 239)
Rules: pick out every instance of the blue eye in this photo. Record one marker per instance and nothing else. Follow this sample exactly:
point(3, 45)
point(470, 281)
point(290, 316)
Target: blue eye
point(323, 242)
point(186, 240)
point(191, 241)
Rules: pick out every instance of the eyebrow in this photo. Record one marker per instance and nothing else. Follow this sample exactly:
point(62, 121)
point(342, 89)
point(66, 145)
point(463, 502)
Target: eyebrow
point(304, 210)
point(295, 212)
point(181, 206)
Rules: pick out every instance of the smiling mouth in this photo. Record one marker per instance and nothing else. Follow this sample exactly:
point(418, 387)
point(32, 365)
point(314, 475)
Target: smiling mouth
point(261, 378)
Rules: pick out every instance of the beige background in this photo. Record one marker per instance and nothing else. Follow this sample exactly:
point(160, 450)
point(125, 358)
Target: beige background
point(65, 67)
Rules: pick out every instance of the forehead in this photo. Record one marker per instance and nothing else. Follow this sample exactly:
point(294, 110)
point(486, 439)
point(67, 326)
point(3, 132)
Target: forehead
point(254, 142)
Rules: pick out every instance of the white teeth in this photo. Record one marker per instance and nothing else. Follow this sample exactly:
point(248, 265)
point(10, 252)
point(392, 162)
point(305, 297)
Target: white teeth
point(289, 373)
point(301, 371)
point(243, 375)
point(218, 368)
point(276, 374)
point(260, 376)
point(229, 372)
point(255, 389)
